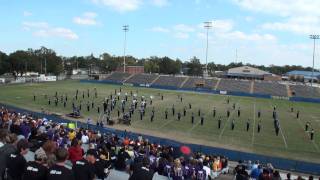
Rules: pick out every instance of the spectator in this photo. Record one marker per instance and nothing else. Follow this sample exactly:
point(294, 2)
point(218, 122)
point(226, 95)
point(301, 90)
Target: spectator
point(75, 151)
point(59, 171)
point(255, 173)
point(16, 162)
point(276, 175)
point(122, 157)
point(7, 147)
point(85, 138)
point(49, 147)
point(36, 170)
point(288, 176)
point(143, 172)
point(83, 169)
point(177, 171)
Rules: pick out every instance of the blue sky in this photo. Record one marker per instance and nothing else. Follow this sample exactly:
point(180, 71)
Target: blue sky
point(263, 31)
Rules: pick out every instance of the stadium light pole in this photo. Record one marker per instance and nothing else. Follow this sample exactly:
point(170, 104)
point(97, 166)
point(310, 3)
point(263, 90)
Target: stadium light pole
point(125, 29)
point(207, 26)
point(314, 37)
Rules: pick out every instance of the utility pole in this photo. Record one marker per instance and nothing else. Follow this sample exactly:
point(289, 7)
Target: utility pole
point(314, 37)
point(207, 25)
point(45, 65)
point(125, 29)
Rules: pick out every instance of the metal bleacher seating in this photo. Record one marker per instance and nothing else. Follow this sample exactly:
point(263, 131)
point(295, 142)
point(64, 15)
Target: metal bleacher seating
point(142, 78)
point(171, 81)
point(271, 88)
point(117, 76)
point(194, 82)
point(305, 91)
point(234, 85)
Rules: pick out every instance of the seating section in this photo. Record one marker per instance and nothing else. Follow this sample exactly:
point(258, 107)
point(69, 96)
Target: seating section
point(192, 82)
point(272, 88)
point(142, 78)
point(118, 77)
point(234, 85)
point(169, 81)
point(305, 91)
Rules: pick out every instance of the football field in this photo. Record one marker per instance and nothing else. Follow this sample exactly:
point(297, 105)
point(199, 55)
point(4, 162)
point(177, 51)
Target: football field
point(292, 142)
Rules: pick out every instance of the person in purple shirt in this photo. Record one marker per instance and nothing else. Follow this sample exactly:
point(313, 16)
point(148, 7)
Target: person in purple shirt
point(25, 129)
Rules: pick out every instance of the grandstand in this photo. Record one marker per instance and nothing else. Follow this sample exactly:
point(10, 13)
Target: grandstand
point(305, 91)
point(234, 85)
point(117, 77)
point(271, 88)
point(142, 79)
point(169, 81)
point(230, 85)
point(196, 82)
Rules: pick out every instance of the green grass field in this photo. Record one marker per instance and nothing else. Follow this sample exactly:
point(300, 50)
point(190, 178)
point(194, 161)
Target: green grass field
point(293, 142)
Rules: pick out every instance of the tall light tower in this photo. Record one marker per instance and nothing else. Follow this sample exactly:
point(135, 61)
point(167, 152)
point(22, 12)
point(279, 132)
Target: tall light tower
point(207, 26)
point(314, 37)
point(125, 29)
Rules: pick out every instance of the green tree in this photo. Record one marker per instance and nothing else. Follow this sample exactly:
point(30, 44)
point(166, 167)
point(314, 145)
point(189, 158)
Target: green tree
point(194, 67)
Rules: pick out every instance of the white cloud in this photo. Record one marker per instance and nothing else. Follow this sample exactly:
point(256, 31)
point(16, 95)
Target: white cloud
point(27, 13)
point(88, 18)
point(249, 37)
point(302, 25)
point(56, 32)
point(249, 18)
point(181, 35)
point(43, 29)
point(298, 16)
point(120, 5)
point(282, 7)
point(160, 3)
point(160, 29)
point(183, 28)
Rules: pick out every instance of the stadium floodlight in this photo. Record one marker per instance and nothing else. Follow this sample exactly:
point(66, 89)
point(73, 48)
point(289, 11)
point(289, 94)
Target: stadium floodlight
point(207, 26)
point(314, 37)
point(125, 28)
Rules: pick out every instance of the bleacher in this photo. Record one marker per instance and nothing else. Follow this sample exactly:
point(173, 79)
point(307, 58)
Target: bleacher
point(305, 91)
point(171, 81)
point(194, 82)
point(272, 88)
point(117, 77)
point(234, 85)
point(142, 78)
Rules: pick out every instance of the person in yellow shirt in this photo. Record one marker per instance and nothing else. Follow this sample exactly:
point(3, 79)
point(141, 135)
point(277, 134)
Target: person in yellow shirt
point(71, 135)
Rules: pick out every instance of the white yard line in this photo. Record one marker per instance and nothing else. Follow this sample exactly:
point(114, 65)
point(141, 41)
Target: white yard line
point(168, 122)
point(225, 124)
point(254, 121)
point(281, 132)
point(314, 144)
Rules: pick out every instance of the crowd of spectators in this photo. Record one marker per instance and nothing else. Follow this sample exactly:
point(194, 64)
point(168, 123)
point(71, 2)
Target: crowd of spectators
point(59, 154)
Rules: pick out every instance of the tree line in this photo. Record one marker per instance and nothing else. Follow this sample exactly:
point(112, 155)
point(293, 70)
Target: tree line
point(44, 60)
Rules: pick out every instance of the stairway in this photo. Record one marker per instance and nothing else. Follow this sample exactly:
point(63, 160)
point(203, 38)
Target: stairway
point(289, 92)
point(154, 80)
point(184, 81)
point(252, 87)
point(217, 85)
point(128, 78)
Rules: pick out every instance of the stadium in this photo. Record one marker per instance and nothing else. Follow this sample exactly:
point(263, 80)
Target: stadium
point(124, 117)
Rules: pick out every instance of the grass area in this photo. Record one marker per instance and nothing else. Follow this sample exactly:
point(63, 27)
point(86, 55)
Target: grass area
point(293, 142)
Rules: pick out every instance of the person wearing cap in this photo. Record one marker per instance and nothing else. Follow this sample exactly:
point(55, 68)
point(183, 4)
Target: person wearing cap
point(59, 171)
point(16, 162)
point(83, 169)
point(144, 172)
point(36, 170)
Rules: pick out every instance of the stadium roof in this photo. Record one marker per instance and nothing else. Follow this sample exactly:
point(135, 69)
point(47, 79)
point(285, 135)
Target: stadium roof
point(305, 74)
point(247, 71)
